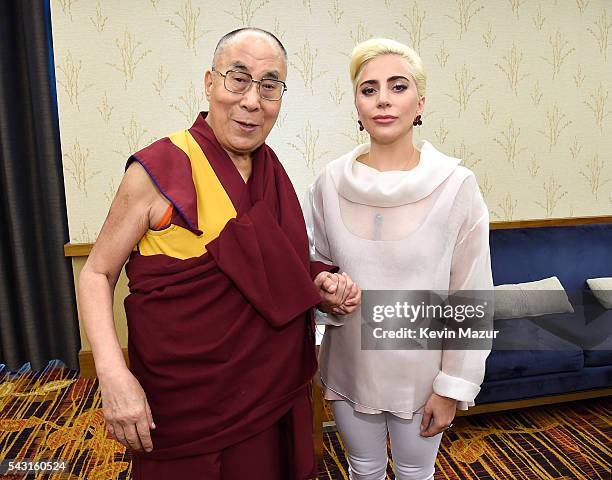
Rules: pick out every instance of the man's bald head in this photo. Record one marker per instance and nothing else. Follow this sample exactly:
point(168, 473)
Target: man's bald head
point(228, 37)
point(241, 120)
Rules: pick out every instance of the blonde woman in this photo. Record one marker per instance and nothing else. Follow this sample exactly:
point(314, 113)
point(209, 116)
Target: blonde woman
point(396, 216)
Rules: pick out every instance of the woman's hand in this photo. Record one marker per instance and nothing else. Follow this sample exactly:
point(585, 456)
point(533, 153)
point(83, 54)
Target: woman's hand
point(353, 300)
point(126, 411)
point(339, 294)
point(438, 415)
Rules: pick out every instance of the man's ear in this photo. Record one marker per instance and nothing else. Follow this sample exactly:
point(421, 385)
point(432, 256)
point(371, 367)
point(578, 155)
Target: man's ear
point(208, 79)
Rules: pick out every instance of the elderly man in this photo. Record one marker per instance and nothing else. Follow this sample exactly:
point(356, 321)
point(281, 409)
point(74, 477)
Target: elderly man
point(221, 340)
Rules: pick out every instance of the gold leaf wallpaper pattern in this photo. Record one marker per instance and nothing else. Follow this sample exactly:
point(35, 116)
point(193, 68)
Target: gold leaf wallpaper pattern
point(68, 77)
point(66, 6)
point(560, 51)
point(307, 146)
point(597, 103)
point(99, 21)
point(582, 5)
point(76, 165)
point(160, 80)
point(305, 64)
point(518, 89)
point(413, 26)
point(105, 109)
point(465, 88)
point(511, 66)
point(466, 10)
point(246, 11)
point(188, 24)
point(335, 12)
point(552, 195)
point(600, 31)
point(538, 19)
point(131, 52)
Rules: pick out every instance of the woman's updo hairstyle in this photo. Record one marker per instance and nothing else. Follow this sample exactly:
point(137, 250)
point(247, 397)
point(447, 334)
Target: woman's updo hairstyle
point(375, 47)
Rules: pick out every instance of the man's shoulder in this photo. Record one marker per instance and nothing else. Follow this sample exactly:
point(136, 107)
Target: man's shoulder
point(160, 146)
point(271, 154)
point(161, 151)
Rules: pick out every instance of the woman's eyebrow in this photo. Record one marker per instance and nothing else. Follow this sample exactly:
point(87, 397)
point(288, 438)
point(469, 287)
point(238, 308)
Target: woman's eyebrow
point(369, 82)
point(390, 79)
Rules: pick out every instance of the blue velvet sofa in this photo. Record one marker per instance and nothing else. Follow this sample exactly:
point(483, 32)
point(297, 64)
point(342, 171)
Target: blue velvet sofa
point(578, 354)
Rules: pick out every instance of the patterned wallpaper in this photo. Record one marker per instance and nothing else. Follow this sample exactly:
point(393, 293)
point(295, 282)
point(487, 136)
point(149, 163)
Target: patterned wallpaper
point(519, 89)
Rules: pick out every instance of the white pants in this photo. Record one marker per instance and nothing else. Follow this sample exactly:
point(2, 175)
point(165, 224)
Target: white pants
point(365, 439)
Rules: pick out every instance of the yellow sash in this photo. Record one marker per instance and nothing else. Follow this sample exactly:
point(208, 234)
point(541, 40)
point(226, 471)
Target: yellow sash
point(215, 209)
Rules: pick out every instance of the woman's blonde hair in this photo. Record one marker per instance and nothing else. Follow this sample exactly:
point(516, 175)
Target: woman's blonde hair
point(375, 47)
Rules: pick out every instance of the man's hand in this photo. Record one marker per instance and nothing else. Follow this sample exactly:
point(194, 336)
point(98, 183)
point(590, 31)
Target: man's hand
point(126, 411)
point(438, 415)
point(339, 294)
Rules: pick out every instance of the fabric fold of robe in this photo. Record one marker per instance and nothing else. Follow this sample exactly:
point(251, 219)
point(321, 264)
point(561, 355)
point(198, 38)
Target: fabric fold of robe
point(223, 344)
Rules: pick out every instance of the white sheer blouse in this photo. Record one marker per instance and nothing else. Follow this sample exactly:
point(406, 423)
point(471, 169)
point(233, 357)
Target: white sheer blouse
point(421, 229)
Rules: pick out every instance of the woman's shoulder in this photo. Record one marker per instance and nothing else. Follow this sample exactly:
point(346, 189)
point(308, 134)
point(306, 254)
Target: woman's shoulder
point(466, 180)
point(334, 168)
point(459, 170)
point(337, 166)
point(347, 157)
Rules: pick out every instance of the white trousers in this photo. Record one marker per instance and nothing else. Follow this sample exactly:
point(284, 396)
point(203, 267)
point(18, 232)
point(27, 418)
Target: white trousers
point(365, 439)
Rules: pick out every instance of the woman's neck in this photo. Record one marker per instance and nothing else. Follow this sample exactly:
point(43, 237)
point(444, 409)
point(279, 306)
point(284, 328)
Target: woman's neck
point(399, 155)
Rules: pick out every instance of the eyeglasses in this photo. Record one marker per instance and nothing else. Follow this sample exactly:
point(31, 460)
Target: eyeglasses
point(240, 82)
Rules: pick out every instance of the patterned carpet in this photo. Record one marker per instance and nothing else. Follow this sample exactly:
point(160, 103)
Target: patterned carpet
point(53, 414)
point(558, 442)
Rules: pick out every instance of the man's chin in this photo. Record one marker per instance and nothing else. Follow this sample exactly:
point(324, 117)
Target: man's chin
point(243, 148)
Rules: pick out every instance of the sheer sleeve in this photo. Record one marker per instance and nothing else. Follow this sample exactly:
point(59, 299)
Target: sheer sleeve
point(463, 370)
point(314, 216)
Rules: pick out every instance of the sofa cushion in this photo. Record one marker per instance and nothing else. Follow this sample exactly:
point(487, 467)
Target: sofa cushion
point(600, 355)
point(598, 358)
point(602, 289)
point(540, 385)
point(589, 327)
point(531, 299)
point(537, 352)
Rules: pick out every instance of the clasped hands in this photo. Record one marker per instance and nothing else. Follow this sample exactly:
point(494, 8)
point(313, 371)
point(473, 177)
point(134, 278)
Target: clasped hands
point(339, 294)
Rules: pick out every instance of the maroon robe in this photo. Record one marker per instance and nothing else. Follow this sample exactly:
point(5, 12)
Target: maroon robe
point(223, 344)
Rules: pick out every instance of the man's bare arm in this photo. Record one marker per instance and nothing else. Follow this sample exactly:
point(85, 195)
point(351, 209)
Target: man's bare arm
point(126, 410)
point(126, 223)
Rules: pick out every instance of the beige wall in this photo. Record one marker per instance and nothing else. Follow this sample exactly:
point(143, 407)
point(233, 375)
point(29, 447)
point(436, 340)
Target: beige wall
point(518, 89)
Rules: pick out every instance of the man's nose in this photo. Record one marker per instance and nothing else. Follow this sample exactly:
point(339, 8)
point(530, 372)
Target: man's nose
point(250, 99)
